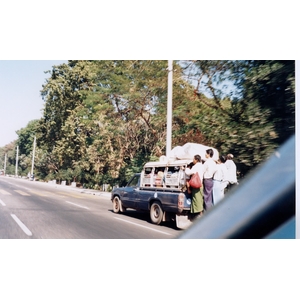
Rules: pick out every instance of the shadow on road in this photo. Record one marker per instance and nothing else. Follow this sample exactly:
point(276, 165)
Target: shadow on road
point(144, 216)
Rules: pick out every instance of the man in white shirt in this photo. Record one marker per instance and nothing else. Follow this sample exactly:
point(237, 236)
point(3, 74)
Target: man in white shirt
point(231, 168)
point(209, 169)
point(220, 180)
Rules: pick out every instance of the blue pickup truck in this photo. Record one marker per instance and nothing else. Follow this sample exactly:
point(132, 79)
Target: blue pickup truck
point(159, 189)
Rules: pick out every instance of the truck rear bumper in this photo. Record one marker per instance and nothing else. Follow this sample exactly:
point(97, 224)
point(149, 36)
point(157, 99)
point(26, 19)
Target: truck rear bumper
point(183, 221)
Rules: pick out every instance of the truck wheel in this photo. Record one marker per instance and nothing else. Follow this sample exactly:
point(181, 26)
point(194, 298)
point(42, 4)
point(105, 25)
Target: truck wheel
point(116, 205)
point(156, 213)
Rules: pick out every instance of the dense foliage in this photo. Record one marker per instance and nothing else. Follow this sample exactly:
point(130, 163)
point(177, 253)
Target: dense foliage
point(104, 119)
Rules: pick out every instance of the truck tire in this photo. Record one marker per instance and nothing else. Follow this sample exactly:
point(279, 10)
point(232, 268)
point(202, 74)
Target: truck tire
point(116, 205)
point(156, 213)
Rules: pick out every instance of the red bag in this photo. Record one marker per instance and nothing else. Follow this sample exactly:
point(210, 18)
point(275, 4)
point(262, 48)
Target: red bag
point(195, 181)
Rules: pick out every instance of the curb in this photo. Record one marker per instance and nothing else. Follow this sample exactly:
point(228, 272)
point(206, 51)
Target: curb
point(84, 191)
point(67, 187)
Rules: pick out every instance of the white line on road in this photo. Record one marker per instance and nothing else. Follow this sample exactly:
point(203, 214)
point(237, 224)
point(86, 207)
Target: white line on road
point(3, 204)
point(23, 227)
point(3, 192)
point(21, 193)
point(142, 226)
point(78, 205)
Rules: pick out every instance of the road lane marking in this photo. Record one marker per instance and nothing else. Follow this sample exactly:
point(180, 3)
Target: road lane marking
point(21, 186)
point(23, 227)
point(70, 196)
point(57, 195)
point(4, 192)
point(42, 194)
point(78, 205)
point(142, 226)
point(3, 204)
point(21, 193)
point(38, 194)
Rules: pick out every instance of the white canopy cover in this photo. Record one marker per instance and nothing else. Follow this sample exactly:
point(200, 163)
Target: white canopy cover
point(189, 150)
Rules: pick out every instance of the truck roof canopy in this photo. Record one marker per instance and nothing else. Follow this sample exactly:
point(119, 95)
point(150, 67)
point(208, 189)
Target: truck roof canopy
point(189, 150)
point(166, 162)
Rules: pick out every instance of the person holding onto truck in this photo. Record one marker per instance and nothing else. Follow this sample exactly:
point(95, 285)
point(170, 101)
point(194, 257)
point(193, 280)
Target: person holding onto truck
point(189, 189)
point(231, 168)
point(197, 194)
point(209, 169)
point(220, 180)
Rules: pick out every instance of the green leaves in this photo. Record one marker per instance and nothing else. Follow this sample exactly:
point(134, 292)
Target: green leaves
point(104, 119)
point(251, 120)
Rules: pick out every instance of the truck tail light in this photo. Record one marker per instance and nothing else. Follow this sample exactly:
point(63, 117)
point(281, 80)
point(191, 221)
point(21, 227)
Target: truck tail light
point(181, 197)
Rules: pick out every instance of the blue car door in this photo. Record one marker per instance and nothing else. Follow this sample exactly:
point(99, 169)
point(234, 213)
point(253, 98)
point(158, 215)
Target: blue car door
point(129, 197)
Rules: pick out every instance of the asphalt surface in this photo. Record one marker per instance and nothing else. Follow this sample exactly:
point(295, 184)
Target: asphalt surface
point(38, 210)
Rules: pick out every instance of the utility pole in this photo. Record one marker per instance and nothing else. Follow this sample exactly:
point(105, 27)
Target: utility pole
point(17, 157)
point(33, 153)
point(5, 158)
point(169, 107)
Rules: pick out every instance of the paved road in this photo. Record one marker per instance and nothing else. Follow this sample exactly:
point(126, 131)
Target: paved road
point(48, 211)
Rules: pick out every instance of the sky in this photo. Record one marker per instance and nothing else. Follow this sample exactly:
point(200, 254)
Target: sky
point(20, 100)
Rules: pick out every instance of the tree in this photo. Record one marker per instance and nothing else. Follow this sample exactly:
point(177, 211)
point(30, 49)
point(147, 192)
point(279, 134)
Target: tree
point(10, 151)
point(237, 121)
point(119, 113)
point(26, 137)
point(61, 94)
point(272, 84)
point(104, 119)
